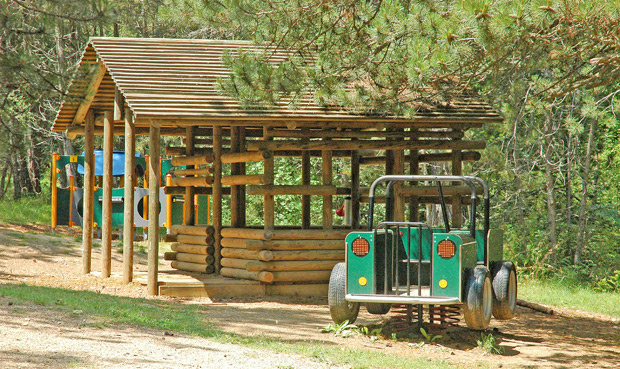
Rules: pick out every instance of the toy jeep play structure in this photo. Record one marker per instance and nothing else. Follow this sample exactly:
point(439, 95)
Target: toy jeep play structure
point(412, 264)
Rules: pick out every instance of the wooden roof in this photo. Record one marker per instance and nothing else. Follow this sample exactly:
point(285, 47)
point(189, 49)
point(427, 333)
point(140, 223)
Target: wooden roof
point(173, 81)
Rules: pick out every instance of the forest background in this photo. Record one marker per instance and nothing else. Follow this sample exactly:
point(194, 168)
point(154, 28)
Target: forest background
point(552, 68)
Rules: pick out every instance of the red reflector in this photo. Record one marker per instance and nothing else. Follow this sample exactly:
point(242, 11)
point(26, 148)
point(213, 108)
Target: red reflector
point(401, 233)
point(360, 246)
point(446, 249)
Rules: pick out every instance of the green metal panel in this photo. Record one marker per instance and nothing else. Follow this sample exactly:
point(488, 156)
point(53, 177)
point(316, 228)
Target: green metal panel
point(426, 242)
point(66, 159)
point(63, 209)
point(447, 269)
point(177, 210)
point(203, 205)
point(496, 245)
point(358, 267)
point(117, 207)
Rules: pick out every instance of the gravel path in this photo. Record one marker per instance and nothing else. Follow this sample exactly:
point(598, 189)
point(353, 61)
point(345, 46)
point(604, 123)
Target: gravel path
point(34, 337)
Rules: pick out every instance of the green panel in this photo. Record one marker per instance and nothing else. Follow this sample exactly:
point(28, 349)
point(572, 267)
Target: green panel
point(117, 207)
point(447, 269)
point(358, 267)
point(496, 245)
point(426, 242)
point(62, 210)
point(166, 164)
point(66, 159)
point(203, 206)
point(480, 244)
point(177, 210)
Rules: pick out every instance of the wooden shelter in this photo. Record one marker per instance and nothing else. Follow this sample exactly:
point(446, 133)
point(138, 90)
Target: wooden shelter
point(131, 87)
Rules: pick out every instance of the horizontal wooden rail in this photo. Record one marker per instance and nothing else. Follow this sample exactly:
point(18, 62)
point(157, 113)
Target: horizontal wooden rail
point(195, 258)
point(244, 157)
point(423, 158)
point(196, 230)
point(247, 179)
point(367, 145)
point(279, 266)
point(192, 249)
point(318, 190)
point(192, 160)
point(193, 267)
point(266, 277)
point(195, 240)
point(179, 190)
point(192, 172)
point(282, 245)
point(191, 181)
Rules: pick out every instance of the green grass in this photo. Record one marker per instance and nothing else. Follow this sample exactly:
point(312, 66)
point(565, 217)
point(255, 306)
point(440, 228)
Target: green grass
point(104, 310)
point(27, 210)
point(555, 293)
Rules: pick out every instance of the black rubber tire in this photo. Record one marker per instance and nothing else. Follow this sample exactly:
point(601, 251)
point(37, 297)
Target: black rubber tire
point(339, 308)
point(377, 308)
point(478, 299)
point(504, 276)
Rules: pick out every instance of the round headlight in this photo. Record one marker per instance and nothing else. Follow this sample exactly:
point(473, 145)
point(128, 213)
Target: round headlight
point(446, 249)
point(360, 246)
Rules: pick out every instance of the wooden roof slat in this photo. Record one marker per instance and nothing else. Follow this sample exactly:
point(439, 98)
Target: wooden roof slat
point(176, 80)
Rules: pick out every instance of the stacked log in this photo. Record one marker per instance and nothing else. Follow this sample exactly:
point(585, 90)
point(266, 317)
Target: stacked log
point(193, 248)
point(282, 255)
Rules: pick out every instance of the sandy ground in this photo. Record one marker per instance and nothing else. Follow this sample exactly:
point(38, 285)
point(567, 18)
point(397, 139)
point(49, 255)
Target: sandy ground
point(567, 339)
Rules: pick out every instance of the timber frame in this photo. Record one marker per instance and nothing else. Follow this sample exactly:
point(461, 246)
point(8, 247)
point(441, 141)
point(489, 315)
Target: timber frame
point(161, 87)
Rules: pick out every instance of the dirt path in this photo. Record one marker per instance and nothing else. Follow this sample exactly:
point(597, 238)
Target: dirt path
point(569, 339)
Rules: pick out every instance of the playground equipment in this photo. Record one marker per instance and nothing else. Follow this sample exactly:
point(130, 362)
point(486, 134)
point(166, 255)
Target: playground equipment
point(67, 202)
point(411, 264)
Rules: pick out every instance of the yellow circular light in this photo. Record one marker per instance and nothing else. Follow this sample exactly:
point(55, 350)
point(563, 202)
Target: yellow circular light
point(362, 281)
point(443, 283)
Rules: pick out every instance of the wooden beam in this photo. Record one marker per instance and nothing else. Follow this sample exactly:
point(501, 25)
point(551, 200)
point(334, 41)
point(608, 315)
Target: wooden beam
point(327, 175)
point(119, 105)
point(268, 170)
point(189, 196)
point(414, 169)
point(305, 180)
point(270, 190)
point(89, 185)
point(153, 233)
point(217, 195)
point(367, 145)
point(130, 151)
point(355, 190)
point(96, 76)
point(106, 217)
point(234, 180)
point(423, 158)
point(457, 170)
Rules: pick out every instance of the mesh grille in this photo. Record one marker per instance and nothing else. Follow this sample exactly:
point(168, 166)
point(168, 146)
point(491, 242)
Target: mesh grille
point(446, 249)
point(360, 246)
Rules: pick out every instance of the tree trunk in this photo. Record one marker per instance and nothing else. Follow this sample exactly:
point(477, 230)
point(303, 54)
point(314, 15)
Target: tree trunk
point(581, 234)
point(550, 186)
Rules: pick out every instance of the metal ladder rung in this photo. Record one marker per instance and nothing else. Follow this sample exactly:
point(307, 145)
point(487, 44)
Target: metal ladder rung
point(415, 261)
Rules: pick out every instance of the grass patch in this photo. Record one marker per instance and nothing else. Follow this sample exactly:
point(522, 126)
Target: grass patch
point(105, 310)
point(27, 210)
point(556, 293)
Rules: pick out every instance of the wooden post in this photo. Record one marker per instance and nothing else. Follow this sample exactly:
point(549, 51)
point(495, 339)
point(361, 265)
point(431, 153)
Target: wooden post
point(54, 190)
point(305, 180)
point(414, 169)
point(128, 221)
point(234, 171)
point(89, 187)
point(188, 209)
point(457, 170)
point(389, 169)
point(242, 167)
point(399, 201)
point(70, 204)
point(269, 203)
point(355, 190)
point(217, 195)
point(327, 180)
point(106, 218)
point(154, 174)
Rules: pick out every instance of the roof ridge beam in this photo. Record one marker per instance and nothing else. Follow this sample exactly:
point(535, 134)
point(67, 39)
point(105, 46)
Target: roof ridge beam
point(97, 75)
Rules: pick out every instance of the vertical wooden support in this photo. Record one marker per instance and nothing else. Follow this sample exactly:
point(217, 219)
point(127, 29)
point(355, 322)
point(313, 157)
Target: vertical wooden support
point(189, 214)
point(457, 170)
point(326, 156)
point(389, 169)
point(70, 207)
point(217, 195)
point(399, 201)
point(54, 190)
point(89, 194)
point(242, 148)
point(414, 169)
point(154, 174)
point(106, 218)
point(234, 170)
point(119, 104)
point(355, 190)
point(305, 180)
point(128, 198)
point(269, 204)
